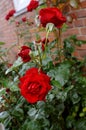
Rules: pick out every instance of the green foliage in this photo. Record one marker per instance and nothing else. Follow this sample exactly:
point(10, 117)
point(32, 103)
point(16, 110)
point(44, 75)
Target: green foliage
point(60, 73)
point(65, 105)
point(2, 43)
point(70, 45)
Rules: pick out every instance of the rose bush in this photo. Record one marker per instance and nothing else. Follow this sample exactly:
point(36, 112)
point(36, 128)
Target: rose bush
point(45, 87)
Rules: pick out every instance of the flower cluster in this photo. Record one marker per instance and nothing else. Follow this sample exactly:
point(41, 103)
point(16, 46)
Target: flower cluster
point(35, 84)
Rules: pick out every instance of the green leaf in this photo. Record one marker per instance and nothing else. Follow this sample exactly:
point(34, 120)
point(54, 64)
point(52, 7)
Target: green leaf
point(18, 112)
point(52, 44)
point(75, 97)
point(82, 90)
point(25, 125)
point(9, 84)
point(2, 43)
point(55, 126)
point(68, 46)
point(69, 121)
point(7, 121)
point(32, 125)
point(34, 53)
point(64, 27)
point(76, 41)
point(56, 84)
point(25, 67)
point(62, 95)
point(2, 91)
point(46, 60)
point(20, 101)
point(40, 104)
point(14, 87)
point(3, 115)
point(16, 64)
point(60, 108)
point(45, 124)
point(80, 42)
point(51, 96)
point(81, 124)
point(52, 72)
point(32, 112)
point(62, 73)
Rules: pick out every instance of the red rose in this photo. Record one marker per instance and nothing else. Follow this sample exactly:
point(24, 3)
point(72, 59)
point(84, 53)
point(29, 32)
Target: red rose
point(51, 15)
point(10, 14)
point(24, 53)
point(24, 19)
point(34, 85)
point(33, 5)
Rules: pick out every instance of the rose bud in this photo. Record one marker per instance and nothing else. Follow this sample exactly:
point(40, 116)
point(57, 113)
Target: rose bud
point(24, 53)
point(24, 19)
point(7, 90)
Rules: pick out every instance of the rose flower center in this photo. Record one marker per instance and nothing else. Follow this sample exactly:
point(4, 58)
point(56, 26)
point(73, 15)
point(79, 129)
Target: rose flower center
point(34, 88)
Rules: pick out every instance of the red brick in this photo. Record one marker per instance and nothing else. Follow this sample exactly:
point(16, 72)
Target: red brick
point(81, 13)
point(83, 4)
point(79, 54)
point(82, 47)
point(79, 23)
point(82, 53)
point(76, 53)
point(81, 37)
point(83, 31)
point(70, 25)
point(72, 31)
point(84, 20)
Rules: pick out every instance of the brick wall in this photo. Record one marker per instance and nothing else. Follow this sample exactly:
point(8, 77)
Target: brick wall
point(78, 27)
point(8, 35)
